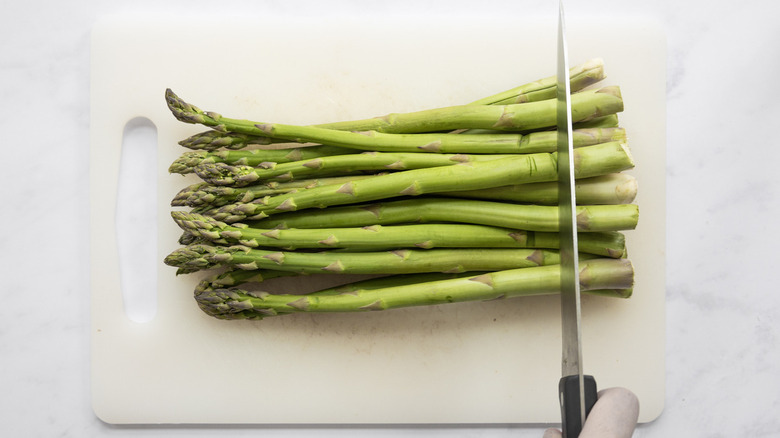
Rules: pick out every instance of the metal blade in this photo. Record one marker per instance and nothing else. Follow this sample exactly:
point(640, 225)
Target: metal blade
point(570, 285)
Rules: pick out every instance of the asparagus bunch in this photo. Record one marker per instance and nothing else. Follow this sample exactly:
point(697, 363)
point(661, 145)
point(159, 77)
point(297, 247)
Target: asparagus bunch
point(447, 204)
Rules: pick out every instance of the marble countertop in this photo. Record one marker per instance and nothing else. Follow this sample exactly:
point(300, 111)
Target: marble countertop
point(722, 309)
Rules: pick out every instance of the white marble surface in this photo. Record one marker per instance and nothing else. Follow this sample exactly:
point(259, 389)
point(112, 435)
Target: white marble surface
point(722, 306)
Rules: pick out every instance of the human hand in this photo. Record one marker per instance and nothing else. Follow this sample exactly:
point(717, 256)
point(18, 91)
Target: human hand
point(613, 416)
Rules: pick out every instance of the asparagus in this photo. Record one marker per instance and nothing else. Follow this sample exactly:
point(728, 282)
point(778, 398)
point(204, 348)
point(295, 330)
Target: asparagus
point(589, 161)
point(225, 174)
point(492, 142)
point(479, 244)
point(192, 258)
point(377, 237)
point(598, 130)
point(213, 140)
point(613, 277)
point(580, 77)
point(608, 121)
point(435, 210)
point(586, 105)
point(614, 188)
point(617, 188)
point(236, 276)
point(204, 194)
point(255, 157)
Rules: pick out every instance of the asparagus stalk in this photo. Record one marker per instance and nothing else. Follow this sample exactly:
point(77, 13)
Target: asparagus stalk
point(213, 140)
point(591, 218)
point(255, 157)
point(615, 188)
point(378, 238)
point(589, 161)
point(608, 121)
point(612, 277)
point(240, 277)
point(586, 105)
point(204, 194)
point(236, 277)
point(494, 142)
point(402, 261)
point(598, 130)
point(225, 174)
point(580, 77)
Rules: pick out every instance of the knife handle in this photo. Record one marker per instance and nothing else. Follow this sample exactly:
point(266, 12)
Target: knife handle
point(570, 402)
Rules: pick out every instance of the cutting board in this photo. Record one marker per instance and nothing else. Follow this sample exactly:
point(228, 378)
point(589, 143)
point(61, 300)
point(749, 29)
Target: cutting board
point(469, 363)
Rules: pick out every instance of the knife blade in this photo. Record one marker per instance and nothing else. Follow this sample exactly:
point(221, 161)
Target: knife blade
point(576, 392)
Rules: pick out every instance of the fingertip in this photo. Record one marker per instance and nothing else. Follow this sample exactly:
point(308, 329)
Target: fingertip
point(552, 433)
point(625, 398)
point(614, 415)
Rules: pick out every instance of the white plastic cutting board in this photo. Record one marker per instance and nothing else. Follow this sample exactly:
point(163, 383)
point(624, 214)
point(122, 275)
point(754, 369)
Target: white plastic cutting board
point(493, 362)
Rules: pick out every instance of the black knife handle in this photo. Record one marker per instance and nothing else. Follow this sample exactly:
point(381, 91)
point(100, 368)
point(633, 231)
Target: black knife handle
point(570, 402)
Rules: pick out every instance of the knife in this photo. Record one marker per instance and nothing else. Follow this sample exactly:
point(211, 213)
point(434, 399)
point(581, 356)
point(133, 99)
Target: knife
point(576, 392)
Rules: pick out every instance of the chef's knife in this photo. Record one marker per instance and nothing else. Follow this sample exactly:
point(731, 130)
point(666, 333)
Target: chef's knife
point(576, 392)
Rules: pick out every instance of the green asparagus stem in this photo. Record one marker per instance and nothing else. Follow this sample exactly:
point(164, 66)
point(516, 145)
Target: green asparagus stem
point(580, 77)
point(255, 157)
point(615, 188)
point(236, 276)
point(213, 140)
point(378, 238)
point(609, 121)
point(187, 238)
point(599, 130)
point(589, 161)
point(494, 142)
point(225, 174)
point(204, 194)
point(437, 210)
point(586, 105)
point(611, 277)
point(402, 261)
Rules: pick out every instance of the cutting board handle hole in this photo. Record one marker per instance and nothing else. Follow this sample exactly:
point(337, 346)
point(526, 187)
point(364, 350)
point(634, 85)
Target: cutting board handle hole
point(136, 219)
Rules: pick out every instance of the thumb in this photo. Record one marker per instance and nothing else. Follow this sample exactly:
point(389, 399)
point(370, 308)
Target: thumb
point(552, 433)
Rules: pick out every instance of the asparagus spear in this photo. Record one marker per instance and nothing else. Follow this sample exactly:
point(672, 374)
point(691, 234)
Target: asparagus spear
point(236, 277)
point(589, 161)
point(614, 188)
point(608, 121)
point(611, 277)
point(213, 140)
point(402, 261)
point(586, 105)
point(377, 237)
point(225, 174)
point(204, 194)
point(493, 142)
point(435, 210)
point(598, 130)
point(255, 157)
point(580, 77)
